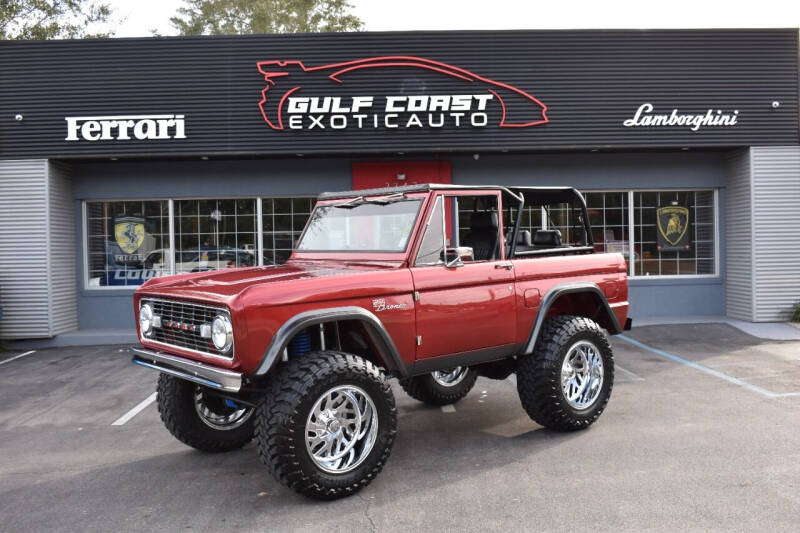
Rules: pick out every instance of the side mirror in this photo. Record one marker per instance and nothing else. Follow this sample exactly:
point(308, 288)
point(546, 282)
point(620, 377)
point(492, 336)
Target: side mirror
point(455, 262)
point(461, 252)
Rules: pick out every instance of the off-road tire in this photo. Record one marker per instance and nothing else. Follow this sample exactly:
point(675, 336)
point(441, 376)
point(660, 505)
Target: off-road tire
point(539, 374)
point(281, 422)
point(175, 400)
point(425, 389)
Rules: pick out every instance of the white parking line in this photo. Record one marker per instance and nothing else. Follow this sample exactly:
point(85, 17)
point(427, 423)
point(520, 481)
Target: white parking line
point(135, 411)
point(633, 377)
point(448, 409)
point(17, 357)
point(710, 371)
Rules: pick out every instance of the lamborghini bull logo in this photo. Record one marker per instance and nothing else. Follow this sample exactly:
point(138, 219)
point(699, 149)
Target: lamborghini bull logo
point(129, 233)
point(674, 226)
point(673, 221)
point(423, 94)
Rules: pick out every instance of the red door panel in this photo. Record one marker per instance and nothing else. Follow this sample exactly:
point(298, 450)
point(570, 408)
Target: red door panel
point(465, 308)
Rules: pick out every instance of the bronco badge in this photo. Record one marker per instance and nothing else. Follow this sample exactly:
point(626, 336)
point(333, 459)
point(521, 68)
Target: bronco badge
point(379, 304)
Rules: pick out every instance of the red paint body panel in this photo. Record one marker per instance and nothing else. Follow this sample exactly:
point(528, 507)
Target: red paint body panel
point(471, 307)
point(465, 308)
point(544, 273)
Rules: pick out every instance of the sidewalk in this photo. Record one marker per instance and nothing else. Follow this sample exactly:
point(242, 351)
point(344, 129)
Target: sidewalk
point(773, 331)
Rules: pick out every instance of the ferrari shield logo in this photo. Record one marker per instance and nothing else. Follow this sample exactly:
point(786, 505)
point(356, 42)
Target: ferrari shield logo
point(129, 233)
point(673, 221)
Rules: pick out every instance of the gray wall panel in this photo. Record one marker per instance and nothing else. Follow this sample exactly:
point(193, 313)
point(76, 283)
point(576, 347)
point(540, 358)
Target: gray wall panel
point(210, 179)
point(24, 287)
point(107, 310)
point(62, 275)
point(739, 250)
point(675, 297)
point(596, 171)
point(776, 197)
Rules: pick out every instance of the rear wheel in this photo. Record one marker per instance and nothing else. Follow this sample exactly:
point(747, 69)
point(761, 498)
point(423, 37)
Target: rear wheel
point(441, 388)
point(200, 419)
point(327, 424)
point(566, 382)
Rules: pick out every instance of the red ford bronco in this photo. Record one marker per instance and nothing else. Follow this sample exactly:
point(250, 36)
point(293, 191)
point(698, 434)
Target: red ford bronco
point(432, 284)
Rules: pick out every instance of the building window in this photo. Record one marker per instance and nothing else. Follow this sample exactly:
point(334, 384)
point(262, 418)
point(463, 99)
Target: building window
point(608, 215)
point(674, 233)
point(531, 218)
point(283, 220)
point(214, 234)
point(686, 247)
point(670, 233)
point(127, 242)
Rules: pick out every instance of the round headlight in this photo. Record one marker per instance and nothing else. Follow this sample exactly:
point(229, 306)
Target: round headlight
point(146, 319)
point(222, 333)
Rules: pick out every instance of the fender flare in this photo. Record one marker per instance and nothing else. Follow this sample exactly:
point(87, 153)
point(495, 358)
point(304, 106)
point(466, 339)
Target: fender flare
point(568, 288)
point(374, 327)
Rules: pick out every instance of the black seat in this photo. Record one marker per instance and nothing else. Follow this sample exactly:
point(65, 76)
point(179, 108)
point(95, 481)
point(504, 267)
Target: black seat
point(546, 238)
point(523, 242)
point(482, 236)
point(523, 238)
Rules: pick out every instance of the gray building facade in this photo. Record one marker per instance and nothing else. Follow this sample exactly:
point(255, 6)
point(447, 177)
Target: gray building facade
point(126, 159)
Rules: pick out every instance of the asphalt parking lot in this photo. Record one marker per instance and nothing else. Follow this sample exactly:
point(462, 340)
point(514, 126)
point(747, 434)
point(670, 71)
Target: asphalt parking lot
point(701, 434)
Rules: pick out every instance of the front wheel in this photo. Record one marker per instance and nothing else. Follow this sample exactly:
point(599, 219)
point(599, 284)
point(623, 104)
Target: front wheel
point(441, 388)
point(566, 382)
point(327, 424)
point(197, 417)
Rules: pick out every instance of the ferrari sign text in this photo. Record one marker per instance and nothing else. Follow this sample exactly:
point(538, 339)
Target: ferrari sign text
point(125, 128)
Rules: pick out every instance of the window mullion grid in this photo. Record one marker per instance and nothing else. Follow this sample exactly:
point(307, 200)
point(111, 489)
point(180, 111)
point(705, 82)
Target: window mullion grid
point(171, 215)
point(631, 241)
point(694, 243)
point(715, 229)
point(259, 233)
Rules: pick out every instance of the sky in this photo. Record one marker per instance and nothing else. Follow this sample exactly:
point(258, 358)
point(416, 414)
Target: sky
point(140, 17)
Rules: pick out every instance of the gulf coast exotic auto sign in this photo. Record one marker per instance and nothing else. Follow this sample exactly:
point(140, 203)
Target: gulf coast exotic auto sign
point(420, 94)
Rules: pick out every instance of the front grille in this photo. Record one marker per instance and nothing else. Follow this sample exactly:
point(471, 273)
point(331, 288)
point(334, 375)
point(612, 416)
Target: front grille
point(181, 323)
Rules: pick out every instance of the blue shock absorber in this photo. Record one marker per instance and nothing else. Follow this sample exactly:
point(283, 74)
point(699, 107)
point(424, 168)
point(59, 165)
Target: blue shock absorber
point(300, 345)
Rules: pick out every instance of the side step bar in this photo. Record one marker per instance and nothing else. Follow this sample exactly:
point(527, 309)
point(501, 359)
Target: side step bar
point(207, 375)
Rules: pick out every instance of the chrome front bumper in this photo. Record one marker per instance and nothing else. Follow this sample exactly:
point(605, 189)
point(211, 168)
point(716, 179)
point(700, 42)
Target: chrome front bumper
point(210, 376)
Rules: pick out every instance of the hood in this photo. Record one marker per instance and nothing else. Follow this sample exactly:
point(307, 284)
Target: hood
point(223, 286)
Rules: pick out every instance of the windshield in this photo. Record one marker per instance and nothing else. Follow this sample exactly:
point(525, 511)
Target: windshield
point(361, 227)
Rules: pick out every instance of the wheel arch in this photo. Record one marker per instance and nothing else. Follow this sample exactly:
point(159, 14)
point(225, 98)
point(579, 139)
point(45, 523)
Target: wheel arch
point(567, 294)
point(385, 349)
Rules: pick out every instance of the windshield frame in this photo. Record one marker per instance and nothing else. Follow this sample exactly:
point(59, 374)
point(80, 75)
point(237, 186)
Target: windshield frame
point(421, 198)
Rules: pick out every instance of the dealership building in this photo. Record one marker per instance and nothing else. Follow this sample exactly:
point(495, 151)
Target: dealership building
point(125, 159)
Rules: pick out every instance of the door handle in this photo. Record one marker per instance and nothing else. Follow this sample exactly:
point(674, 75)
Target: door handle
point(507, 266)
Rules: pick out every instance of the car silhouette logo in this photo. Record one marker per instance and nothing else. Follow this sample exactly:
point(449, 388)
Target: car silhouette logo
point(518, 109)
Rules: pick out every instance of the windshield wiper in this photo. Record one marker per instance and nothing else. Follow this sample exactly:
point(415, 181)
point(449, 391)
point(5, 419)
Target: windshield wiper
point(351, 203)
point(355, 202)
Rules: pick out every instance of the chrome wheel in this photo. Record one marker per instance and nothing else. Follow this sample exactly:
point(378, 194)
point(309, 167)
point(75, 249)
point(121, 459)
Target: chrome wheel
point(452, 377)
point(341, 429)
point(219, 413)
point(582, 375)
